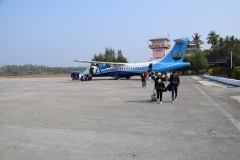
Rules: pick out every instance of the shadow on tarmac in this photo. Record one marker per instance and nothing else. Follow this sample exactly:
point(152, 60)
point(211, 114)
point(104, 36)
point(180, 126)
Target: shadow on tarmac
point(141, 101)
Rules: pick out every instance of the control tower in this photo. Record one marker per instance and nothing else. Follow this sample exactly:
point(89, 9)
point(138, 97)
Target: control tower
point(159, 47)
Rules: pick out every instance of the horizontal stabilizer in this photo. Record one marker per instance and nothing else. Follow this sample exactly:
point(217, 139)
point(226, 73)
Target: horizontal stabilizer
point(179, 40)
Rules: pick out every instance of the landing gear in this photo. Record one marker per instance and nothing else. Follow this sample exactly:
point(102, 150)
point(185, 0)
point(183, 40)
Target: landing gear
point(128, 77)
point(116, 77)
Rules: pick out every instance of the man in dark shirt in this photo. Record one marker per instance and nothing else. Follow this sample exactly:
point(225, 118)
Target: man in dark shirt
point(174, 81)
point(143, 78)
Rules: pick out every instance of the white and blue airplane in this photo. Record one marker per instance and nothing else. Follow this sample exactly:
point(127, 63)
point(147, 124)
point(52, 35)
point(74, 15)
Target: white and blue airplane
point(173, 60)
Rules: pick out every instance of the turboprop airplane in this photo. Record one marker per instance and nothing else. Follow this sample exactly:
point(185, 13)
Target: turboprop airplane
point(171, 61)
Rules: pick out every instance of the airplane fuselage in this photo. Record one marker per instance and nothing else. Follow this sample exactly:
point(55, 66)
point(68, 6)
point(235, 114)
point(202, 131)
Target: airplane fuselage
point(133, 69)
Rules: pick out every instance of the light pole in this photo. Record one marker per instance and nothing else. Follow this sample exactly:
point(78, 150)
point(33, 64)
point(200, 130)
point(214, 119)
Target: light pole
point(231, 57)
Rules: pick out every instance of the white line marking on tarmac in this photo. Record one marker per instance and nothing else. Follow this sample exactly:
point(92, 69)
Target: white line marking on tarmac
point(188, 79)
point(237, 98)
point(207, 83)
point(223, 111)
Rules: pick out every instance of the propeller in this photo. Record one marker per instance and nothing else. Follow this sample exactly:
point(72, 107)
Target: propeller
point(98, 69)
point(97, 65)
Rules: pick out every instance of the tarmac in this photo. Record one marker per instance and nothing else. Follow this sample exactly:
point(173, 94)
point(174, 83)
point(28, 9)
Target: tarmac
point(55, 118)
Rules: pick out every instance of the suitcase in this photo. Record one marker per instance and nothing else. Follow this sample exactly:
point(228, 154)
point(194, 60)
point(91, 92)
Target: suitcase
point(154, 95)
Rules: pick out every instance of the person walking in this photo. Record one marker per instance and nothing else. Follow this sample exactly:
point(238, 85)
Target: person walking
point(143, 79)
point(152, 75)
point(174, 82)
point(159, 86)
point(146, 74)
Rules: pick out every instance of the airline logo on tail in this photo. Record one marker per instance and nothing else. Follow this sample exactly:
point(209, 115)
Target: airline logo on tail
point(179, 50)
point(177, 56)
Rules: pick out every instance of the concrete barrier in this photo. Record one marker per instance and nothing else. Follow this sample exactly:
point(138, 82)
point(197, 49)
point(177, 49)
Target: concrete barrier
point(223, 80)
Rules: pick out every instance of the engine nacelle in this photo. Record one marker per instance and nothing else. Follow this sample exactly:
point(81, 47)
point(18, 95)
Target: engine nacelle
point(101, 66)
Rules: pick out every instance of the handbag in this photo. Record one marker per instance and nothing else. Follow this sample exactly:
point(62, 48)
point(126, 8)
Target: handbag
point(169, 87)
point(164, 89)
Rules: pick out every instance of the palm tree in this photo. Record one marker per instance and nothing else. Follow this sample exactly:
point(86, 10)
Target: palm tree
point(230, 41)
point(221, 42)
point(213, 39)
point(237, 41)
point(196, 40)
point(226, 40)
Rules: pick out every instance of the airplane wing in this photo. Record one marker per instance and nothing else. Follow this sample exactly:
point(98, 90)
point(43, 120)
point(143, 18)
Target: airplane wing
point(98, 62)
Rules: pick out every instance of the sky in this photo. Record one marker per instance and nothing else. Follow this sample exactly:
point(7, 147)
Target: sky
point(56, 32)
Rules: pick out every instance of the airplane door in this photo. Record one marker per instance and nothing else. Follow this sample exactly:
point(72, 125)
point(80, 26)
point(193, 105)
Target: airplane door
point(91, 71)
point(150, 67)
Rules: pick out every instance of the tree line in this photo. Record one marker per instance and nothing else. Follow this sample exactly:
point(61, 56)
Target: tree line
point(220, 48)
point(110, 56)
point(29, 69)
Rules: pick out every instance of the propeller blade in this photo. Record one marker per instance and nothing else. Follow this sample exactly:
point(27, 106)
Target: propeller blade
point(98, 68)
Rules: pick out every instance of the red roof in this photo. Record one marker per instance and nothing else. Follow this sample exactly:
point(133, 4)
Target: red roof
point(159, 38)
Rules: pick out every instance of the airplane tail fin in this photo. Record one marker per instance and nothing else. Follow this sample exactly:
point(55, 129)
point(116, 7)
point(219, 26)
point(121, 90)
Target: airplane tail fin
point(177, 52)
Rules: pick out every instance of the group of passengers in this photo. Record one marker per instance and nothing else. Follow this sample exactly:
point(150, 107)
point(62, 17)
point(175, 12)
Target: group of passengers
point(81, 77)
point(160, 86)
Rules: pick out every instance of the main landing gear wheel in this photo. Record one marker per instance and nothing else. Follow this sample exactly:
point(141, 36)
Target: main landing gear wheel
point(128, 77)
point(117, 77)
